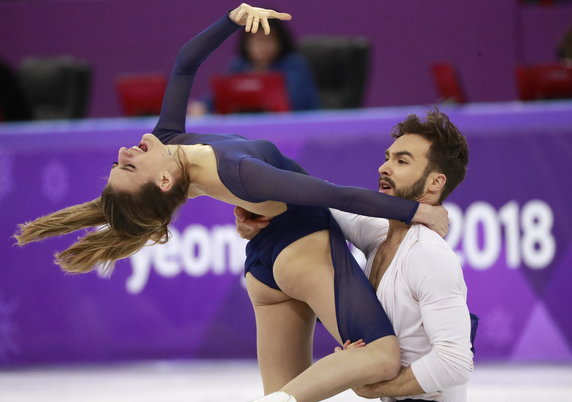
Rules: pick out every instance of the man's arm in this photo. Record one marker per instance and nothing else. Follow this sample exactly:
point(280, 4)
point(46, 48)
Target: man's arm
point(405, 384)
point(364, 232)
point(437, 283)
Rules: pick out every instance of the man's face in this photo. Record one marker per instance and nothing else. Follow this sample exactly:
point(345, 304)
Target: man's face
point(403, 173)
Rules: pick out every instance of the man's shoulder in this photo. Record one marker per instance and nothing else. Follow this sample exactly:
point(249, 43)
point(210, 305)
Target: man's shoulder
point(428, 238)
point(428, 244)
point(431, 264)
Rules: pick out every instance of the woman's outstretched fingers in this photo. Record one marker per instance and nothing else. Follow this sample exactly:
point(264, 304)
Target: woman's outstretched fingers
point(280, 16)
point(350, 345)
point(265, 26)
point(238, 17)
point(252, 17)
point(353, 345)
point(249, 22)
point(255, 25)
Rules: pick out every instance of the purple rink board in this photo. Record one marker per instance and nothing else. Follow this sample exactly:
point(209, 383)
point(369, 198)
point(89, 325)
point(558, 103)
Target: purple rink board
point(510, 224)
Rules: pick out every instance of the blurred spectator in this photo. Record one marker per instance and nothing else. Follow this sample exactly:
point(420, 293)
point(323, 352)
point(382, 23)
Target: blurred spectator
point(276, 52)
point(565, 48)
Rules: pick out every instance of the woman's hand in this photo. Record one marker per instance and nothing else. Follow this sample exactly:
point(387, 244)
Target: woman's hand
point(252, 17)
point(349, 345)
point(434, 217)
point(365, 391)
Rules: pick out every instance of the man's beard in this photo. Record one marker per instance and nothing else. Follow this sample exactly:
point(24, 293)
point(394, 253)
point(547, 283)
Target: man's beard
point(413, 192)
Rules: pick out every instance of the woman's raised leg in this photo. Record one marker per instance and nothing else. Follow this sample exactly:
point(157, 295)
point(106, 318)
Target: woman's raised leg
point(304, 271)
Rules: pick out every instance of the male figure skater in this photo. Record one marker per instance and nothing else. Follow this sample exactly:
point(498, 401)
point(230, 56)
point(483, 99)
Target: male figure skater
point(417, 276)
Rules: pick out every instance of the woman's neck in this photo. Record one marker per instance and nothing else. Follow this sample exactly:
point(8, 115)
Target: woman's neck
point(200, 163)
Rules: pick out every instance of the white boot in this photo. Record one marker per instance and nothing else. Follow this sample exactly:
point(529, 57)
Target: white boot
point(276, 397)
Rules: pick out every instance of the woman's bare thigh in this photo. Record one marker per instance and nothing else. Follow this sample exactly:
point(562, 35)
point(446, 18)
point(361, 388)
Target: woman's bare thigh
point(284, 334)
point(304, 271)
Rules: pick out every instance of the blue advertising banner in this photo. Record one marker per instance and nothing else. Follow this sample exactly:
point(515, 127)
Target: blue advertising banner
point(511, 226)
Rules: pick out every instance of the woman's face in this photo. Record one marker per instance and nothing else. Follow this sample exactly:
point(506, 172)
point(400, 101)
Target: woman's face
point(262, 50)
point(139, 165)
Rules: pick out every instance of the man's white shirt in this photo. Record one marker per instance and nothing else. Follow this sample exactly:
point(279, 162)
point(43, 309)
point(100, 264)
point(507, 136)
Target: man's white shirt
point(424, 295)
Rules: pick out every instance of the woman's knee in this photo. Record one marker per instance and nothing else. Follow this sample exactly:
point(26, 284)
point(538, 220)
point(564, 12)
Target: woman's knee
point(385, 358)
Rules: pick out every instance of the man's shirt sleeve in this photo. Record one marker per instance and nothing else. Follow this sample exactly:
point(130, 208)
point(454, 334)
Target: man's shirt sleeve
point(436, 281)
point(364, 232)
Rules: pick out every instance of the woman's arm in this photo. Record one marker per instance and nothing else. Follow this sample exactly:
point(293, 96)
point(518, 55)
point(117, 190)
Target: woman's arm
point(190, 57)
point(263, 182)
point(194, 52)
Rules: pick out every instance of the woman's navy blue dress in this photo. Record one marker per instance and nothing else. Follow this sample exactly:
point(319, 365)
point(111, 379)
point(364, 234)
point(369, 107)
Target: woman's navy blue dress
point(255, 171)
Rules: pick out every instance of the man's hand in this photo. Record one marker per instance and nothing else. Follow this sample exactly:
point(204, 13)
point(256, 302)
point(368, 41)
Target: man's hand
point(372, 391)
point(248, 224)
point(405, 384)
point(252, 17)
point(434, 217)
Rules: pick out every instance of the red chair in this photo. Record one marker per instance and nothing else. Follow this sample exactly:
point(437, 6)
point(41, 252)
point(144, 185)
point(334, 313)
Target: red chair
point(141, 94)
point(448, 83)
point(544, 81)
point(250, 93)
point(541, 2)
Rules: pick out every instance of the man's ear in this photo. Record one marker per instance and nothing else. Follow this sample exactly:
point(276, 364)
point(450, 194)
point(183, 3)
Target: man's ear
point(166, 181)
point(437, 182)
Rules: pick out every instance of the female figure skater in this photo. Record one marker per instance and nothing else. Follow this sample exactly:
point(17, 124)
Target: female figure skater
point(298, 268)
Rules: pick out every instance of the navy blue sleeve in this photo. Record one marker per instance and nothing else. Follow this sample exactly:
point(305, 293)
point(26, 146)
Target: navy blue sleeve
point(264, 182)
point(190, 57)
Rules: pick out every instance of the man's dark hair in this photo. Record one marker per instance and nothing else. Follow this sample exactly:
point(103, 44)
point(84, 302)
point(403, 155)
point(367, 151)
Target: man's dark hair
point(448, 153)
point(283, 36)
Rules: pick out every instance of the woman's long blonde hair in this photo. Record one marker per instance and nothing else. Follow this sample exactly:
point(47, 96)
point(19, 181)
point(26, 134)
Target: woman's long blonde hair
point(122, 224)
